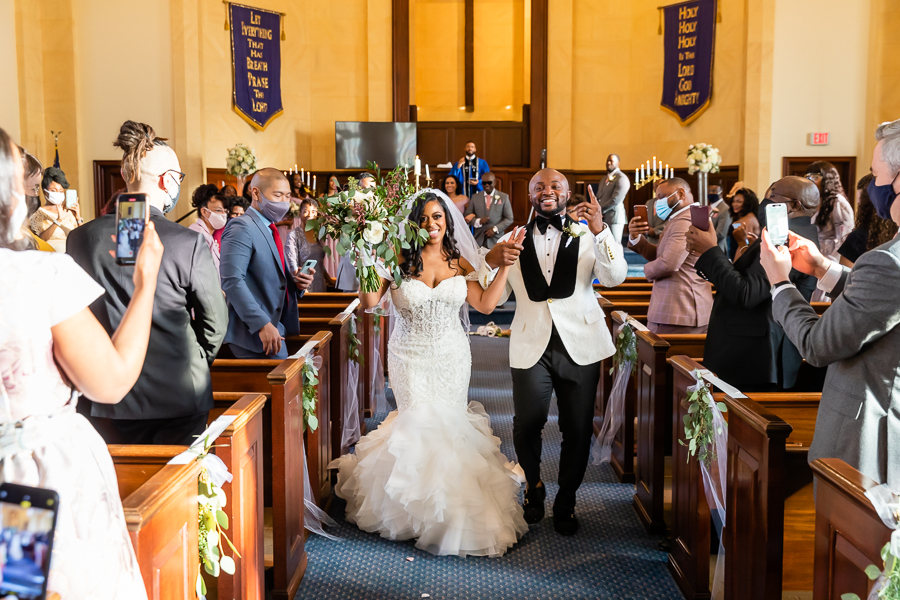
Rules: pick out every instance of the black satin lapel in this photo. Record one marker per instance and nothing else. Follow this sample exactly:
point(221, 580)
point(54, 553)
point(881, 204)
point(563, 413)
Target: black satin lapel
point(565, 270)
point(535, 284)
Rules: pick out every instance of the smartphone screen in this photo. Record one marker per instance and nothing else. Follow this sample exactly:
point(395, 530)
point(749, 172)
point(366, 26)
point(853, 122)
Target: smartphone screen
point(26, 538)
point(641, 211)
point(131, 217)
point(777, 223)
point(71, 198)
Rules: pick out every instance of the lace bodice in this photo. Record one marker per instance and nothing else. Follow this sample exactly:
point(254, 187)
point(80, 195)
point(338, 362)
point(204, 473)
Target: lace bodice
point(429, 356)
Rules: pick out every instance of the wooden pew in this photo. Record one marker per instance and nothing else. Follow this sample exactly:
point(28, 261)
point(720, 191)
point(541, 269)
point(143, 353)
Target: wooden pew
point(240, 448)
point(281, 381)
point(849, 533)
point(653, 410)
point(337, 322)
point(161, 513)
point(769, 522)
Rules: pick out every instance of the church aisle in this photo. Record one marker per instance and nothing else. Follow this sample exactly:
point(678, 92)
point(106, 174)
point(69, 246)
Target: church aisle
point(610, 557)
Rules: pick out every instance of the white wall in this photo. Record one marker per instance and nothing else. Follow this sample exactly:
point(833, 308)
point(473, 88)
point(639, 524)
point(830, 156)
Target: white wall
point(819, 79)
point(124, 63)
point(9, 73)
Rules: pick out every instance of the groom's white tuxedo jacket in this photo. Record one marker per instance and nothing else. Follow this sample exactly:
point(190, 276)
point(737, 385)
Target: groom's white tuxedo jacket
point(575, 312)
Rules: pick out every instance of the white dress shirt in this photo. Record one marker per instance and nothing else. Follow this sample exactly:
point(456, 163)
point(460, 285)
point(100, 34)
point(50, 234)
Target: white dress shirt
point(830, 279)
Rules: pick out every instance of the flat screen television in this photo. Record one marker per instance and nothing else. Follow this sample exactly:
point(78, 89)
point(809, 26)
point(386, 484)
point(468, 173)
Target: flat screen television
point(389, 145)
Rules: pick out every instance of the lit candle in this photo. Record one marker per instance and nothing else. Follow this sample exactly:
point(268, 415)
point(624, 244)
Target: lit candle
point(636, 176)
point(295, 168)
point(427, 173)
point(668, 172)
point(307, 179)
point(314, 183)
point(285, 174)
point(654, 164)
point(642, 172)
point(648, 168)
point(417, 166)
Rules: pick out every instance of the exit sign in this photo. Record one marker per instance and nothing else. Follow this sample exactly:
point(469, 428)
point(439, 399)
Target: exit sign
point(817, 139)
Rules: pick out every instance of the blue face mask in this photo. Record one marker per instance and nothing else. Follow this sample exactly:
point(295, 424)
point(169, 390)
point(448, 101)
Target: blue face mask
point(882, 197)
point(663, 210)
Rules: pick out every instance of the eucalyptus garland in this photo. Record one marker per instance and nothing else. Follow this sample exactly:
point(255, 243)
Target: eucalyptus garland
point(310, 395)
point(699, 431)
point(212, 522)
point(354, 344)
point(626, 349)
point(890, 585)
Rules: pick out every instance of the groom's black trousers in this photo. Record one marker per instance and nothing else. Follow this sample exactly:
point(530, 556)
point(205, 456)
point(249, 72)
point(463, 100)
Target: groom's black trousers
point(576, 390)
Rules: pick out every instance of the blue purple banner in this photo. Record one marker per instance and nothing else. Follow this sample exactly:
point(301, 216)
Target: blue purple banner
point(690, 41)
point(256, 60)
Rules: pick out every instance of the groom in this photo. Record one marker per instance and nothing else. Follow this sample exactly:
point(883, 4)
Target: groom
point(558, 335)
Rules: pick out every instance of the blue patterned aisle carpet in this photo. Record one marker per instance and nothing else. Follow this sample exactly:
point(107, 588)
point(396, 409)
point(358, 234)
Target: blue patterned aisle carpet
point(610, 557)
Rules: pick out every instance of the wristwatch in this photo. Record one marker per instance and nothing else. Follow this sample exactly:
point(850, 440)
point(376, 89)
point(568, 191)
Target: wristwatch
point(781, 284)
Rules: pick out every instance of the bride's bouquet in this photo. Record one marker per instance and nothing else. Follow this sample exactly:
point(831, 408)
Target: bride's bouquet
point(370, 224)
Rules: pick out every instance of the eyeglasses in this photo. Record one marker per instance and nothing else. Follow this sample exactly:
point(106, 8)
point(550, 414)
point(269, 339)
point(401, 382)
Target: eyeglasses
point(812, 176)
point(178, 175)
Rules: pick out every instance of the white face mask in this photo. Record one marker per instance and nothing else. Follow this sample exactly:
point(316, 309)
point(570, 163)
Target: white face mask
point(55, 197)
point(216, 221)
point(17, 218)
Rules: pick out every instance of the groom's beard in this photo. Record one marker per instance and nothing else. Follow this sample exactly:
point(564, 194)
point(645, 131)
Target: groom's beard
point(551, 212)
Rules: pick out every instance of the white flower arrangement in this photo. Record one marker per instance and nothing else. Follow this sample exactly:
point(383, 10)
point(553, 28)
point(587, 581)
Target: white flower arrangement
point(704, 158)
point(241, 161)
point(575, 229)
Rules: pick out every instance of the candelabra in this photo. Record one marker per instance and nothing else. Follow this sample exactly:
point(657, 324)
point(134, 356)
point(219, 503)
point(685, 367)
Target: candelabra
point(652, 173)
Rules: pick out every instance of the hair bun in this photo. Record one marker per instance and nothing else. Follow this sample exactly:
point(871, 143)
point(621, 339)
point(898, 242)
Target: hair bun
point(135, 139)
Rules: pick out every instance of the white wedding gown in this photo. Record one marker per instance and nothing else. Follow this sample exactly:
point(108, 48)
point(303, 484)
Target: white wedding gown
point(433, 470)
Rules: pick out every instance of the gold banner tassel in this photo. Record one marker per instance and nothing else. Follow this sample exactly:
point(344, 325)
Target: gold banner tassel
point(660, 30)
point(281, 22)
point(226, 15)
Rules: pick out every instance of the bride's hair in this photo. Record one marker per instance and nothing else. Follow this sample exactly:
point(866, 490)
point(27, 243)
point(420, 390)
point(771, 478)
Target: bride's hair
point(412, 258)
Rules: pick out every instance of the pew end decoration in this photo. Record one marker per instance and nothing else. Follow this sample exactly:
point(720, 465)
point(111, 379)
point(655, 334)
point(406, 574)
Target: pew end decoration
point(211, 500)
point(310, 373)
point(371, 224)
point(700, 424)
point(624, 363)
point(887, 581)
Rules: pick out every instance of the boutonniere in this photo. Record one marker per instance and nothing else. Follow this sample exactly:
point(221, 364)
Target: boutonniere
point(496, 198)
point(575, 230)
point(612, 178)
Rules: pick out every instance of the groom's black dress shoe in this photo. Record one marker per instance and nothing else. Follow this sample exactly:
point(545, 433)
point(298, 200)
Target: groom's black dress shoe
point(564, 522)
point(534, 504)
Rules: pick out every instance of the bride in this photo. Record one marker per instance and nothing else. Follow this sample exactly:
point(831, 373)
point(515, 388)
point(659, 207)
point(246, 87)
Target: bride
point(433, 471)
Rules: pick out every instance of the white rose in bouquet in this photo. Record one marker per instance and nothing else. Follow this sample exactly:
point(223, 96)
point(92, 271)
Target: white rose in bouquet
point(374, 233)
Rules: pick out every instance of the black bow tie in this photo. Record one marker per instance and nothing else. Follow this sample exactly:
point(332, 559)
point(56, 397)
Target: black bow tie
point(544, 222)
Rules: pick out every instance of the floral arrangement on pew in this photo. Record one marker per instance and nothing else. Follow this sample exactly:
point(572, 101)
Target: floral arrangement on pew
point(887, 581)
point(624, 364)
point(699, 428)
point(626, 349)
point(704, 158)
point(241, 161)
point(371, 224)
point(354, 342)
point(310, 374)
point(212, 519)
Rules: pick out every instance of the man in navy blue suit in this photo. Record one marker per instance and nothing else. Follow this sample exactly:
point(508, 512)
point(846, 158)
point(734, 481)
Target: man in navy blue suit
point(261, 293)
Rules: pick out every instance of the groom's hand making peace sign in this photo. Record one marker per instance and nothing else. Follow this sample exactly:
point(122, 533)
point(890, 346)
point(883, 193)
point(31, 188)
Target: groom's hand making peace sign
point(590, 212)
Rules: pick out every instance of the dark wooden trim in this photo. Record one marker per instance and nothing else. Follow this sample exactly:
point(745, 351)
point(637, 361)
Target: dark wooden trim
point(106, 175)
point(400, 51)
point(538, 109)
point(469, 53)
point(848, 176)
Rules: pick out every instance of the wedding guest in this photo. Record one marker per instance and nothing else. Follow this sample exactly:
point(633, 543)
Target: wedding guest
point(489, 212)
point(50, 346)
point(211, 216)
point(261, 291)
point(469, 170)
point(171, 400)
point(453, 188)
point(744, 220)
point(611, 193)
point(871, 230)
point(237, 206)
point(228, 191)
point(303, 245)
point(857, 337)
point(834, 220)
point(332, 259)
point(332, 187)
point(720, 213)
point(32, 170)
point(53, 222)
point(298, 186)
point(681, 300)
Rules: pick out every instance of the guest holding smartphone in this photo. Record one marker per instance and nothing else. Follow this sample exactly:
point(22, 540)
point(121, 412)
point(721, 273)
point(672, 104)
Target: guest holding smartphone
point(53, 222)
point(303, 245)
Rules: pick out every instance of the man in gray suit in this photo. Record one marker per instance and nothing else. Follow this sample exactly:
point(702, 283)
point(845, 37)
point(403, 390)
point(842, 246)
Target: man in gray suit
point(345, 279)
point(720, 213)
point(858, 337)
point(489, 212)
point(611, 194)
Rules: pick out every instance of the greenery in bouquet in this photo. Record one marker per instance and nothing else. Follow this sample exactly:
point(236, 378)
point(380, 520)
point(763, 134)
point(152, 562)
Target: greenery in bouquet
point(371, 224)
point(699, 428)
point(626, 349)
point(887, 581)
point(241, 161)
point(212, 525)
point(704, 158)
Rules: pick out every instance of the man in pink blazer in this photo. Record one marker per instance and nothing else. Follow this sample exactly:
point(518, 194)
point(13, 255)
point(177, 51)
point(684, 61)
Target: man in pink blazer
point(681, 300)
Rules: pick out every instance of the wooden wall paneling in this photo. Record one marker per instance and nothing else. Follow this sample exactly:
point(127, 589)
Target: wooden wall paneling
point(537, 114)
point(433, 145)
point(107, 180)
point(845, 165)
point(400, 62)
